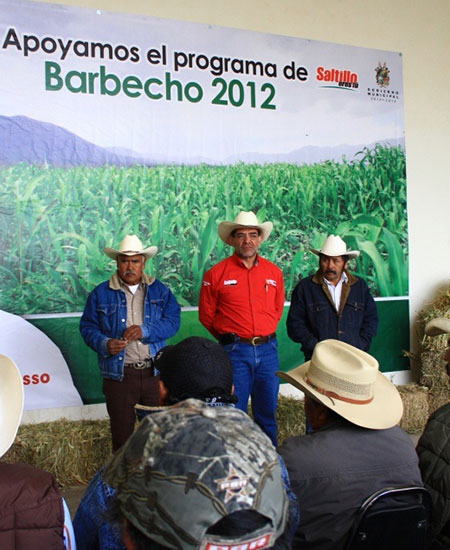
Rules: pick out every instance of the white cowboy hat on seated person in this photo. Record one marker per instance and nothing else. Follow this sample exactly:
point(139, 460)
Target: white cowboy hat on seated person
point(347, 381)
point(244, 220)
point(438, 326)
point(334, 246)
point(11, 402)
point(130, 246)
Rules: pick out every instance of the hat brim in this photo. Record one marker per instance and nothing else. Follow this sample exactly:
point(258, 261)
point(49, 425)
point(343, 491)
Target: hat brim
point(147, 252)
point(384, 411)
point(438, 326)
point(352, 254)
point(226, 228)
point(11, 402)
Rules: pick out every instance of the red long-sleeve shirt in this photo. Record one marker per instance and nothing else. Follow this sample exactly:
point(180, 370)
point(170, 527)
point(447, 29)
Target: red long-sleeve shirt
point(248, 302)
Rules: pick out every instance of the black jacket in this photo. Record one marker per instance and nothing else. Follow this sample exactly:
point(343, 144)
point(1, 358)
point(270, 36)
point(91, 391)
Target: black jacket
point(313, 317)
point(434, 462)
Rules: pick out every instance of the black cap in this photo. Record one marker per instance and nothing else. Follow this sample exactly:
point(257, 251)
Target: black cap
point(195, 367)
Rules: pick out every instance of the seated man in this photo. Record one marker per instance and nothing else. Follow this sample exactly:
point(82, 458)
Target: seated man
point(355, 447)
point(190, 476)
point(33, 514)
point(195, 367)
point(434, 453)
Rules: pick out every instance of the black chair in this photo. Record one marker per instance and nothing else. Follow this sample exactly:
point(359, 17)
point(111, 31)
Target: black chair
point(395, 518)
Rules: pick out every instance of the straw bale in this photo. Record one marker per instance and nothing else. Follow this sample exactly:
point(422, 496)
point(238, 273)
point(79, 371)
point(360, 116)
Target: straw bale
point(290, 417)
point(74, 450)
point(432, 348)
point(71, 450)
point(415, 407)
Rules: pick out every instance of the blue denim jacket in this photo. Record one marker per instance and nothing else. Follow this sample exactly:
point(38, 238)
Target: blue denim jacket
point(92, 529)
point(313, 317)
point(105, 317)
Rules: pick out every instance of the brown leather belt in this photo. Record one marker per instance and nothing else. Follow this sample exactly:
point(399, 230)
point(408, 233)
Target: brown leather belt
point(232, 338)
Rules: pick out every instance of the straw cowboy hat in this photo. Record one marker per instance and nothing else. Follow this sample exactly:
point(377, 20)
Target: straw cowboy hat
point(335, 246)
point(11, 402)
point(347, 381)
point(438, 326)
point(244, 219)
point(130, 246)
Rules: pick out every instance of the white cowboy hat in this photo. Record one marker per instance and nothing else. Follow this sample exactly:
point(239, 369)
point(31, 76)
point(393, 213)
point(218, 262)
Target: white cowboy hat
point(130, 246)
point(438, 326)
point(244, 219)
point(335, 246)
point(347, 381)
point(11, 402)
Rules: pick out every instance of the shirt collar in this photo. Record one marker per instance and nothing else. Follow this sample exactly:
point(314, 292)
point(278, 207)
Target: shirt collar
point(115, 282)
point(241, 263)
point(343, 279)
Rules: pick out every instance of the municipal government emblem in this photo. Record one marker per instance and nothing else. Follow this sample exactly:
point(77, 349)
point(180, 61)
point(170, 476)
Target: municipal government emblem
point(382, 75)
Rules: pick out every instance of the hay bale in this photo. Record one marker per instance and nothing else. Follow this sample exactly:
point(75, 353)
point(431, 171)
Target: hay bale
point(74, 450)
point(432, 372)
point(71, 450)
point(416, 407)
point(432, 348)
point(290, 417)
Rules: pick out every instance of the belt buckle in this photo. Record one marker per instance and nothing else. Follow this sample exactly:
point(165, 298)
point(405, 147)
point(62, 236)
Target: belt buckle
point(253, 341)
point(140, 365)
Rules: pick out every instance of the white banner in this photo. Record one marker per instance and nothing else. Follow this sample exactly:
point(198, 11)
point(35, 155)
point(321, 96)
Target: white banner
point(45, 374)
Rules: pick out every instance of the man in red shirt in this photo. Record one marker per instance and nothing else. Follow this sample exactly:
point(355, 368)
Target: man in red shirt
point(241, 303)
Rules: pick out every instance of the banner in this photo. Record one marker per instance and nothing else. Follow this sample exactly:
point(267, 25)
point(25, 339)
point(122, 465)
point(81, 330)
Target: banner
point(115, 124)
point(46, 378)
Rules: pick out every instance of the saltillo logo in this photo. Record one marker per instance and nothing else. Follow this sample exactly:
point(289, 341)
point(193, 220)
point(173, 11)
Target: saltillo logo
point(337, 78)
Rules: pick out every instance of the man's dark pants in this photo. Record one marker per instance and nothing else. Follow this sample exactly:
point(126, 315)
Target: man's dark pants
point(137, 386)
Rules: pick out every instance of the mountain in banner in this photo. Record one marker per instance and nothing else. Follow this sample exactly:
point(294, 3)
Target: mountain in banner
point(24, 139)
point(312, 154)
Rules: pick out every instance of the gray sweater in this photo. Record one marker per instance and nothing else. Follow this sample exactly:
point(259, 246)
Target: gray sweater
point(334, 469)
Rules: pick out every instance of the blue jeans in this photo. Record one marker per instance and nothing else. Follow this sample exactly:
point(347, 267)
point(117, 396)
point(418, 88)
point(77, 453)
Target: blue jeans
point(254, 370)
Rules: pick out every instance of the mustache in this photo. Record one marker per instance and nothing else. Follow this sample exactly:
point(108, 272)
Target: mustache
point(331, 271)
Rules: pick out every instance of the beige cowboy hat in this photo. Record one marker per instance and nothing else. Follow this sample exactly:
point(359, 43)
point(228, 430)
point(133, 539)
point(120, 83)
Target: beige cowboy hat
point(130, 246)
point(244, 219)
point(335, 246)
point(438, 326)
point(347, 381)
point(11, 402)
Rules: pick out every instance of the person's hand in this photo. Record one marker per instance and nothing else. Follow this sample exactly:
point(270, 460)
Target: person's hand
point(133, 333)
point(115, 346)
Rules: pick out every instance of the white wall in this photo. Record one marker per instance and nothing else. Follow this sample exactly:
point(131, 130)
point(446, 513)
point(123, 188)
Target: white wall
point(416, 28)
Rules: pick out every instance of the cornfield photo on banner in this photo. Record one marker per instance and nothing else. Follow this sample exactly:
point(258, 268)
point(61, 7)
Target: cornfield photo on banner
point(55, 222)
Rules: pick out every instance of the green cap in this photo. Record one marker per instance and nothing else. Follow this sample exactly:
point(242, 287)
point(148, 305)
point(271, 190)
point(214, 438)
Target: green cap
point(189, 466)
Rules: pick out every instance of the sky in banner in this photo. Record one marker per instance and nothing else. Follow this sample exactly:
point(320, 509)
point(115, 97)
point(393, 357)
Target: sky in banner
point(305, 111)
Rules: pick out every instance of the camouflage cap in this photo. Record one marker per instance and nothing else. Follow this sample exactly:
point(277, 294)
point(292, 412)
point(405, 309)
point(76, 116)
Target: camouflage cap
point(187, 467)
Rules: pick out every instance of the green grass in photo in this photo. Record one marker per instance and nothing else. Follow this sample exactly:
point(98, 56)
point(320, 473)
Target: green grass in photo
point(54, 223)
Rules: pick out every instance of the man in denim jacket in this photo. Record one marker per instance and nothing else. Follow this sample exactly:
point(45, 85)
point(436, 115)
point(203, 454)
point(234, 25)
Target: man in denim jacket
point(127, 321)
point(332, 303)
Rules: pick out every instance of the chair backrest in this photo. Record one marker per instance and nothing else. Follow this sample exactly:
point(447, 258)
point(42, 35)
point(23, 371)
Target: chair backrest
point(395, 518)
